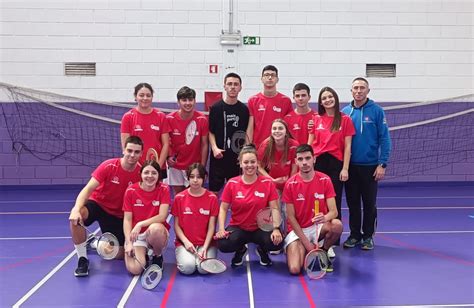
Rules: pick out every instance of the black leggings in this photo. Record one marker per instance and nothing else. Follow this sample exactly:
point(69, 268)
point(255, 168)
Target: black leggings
point(238, 238)
point(331, 166)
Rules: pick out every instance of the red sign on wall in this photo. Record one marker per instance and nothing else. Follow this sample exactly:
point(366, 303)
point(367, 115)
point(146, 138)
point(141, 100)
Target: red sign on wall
point(213, 68)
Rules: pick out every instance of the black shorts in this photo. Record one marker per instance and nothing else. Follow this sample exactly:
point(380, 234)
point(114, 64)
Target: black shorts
point(221, 170)
point(107, 222)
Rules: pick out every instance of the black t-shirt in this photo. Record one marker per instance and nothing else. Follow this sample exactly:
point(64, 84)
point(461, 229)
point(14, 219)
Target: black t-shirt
point(236, 119)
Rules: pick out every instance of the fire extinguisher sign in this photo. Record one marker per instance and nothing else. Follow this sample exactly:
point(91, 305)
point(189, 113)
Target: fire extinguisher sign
point(213, 68)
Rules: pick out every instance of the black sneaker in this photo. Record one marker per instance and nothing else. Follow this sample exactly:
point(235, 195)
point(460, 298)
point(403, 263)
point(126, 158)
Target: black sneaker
point(264, 258)
point(238, 258)
point(158, 260)
point(82, 269)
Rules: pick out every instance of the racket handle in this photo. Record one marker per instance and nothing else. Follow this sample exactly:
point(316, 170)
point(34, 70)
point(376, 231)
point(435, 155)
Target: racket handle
point(316, 207)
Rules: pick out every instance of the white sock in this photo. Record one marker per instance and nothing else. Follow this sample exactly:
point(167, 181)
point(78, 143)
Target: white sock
point(81, 250)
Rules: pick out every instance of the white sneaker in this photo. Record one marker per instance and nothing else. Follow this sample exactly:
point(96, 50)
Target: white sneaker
point(331, 253)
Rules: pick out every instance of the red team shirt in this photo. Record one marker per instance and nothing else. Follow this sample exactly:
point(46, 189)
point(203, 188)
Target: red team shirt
point(265, 110)
point(186, 154)
point(303, 194)
point(277, 169)
point(194, 214)
point(329, 142)
point(298, 125)
point(145, 204)
point(114, 181)
point(247, 199)
point(149, 127)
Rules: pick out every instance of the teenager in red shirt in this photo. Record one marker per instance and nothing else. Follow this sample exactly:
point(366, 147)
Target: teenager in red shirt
point(145, 207)
point(187, 146)
point(331, 139)
point(266, 106)
point(276, 155)
point(300, 193)
point(195, 213)
point(299, 118)
point(102, 198)
point(148, 123)
point(246, 195)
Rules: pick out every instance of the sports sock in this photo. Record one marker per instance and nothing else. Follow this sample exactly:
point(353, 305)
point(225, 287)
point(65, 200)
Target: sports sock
point(81, 250)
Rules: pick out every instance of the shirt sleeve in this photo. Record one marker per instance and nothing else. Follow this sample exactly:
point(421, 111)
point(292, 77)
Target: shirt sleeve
point(384, 138)
point(127, 201)
point(125, 124)
point(214, 206)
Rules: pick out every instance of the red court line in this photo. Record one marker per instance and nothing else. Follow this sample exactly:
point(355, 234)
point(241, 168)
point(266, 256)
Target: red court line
point(36, 258)
point(169, 287)
point(427, 251)
point(306, 291)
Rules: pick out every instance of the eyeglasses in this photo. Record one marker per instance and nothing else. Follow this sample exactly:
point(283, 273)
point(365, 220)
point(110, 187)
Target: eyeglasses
point(268, 75)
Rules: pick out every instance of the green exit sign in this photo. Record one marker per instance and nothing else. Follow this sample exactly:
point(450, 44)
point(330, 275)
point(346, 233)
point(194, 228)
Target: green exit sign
point(251, 40)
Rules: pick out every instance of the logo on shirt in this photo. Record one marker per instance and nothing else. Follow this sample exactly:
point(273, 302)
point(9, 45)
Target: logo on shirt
point(116, 180)
point(204, 212)
point(367, 120)
point(261, 107)
point(176, 132)
point(240, 195)
point(187, 211)
point(296, 126)
point(318, 196)
point(154, 127)
point(260, 194)
point(320, 126)
point(138, 202)
point(155, 203)
point(130, 183)
point(276, 109)
point(233, 118)
point(300, 197)
point(138, 128)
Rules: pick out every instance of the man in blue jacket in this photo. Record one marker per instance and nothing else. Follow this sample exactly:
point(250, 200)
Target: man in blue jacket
point(371, 147)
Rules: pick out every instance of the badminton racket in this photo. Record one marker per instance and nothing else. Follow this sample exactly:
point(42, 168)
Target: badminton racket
point(107, 244)
point(151, 275)
point(316, 261)
point(152, 154)
point(237, 141)
point(211, 265)
point(191, 131)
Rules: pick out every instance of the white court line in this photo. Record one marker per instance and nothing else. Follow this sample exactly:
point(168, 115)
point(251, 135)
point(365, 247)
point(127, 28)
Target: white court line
point(127, 293)
point(44, 280)
point(132, 284)
point(249, 281)
point(32, 213)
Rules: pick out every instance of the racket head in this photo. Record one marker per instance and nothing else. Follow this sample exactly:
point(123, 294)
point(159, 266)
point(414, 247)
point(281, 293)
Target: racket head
point(152, 154)
point(213, 266)
point(238, 140)
point(151, 277)
point(190, 132)
point(316, 263)
point(265, 219)
point(108, 246)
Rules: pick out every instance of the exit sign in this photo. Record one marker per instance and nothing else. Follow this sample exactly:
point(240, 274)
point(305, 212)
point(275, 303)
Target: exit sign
point(251, 40)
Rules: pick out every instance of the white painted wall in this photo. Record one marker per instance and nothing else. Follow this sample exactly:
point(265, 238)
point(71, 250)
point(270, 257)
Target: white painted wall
point(171, 43)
